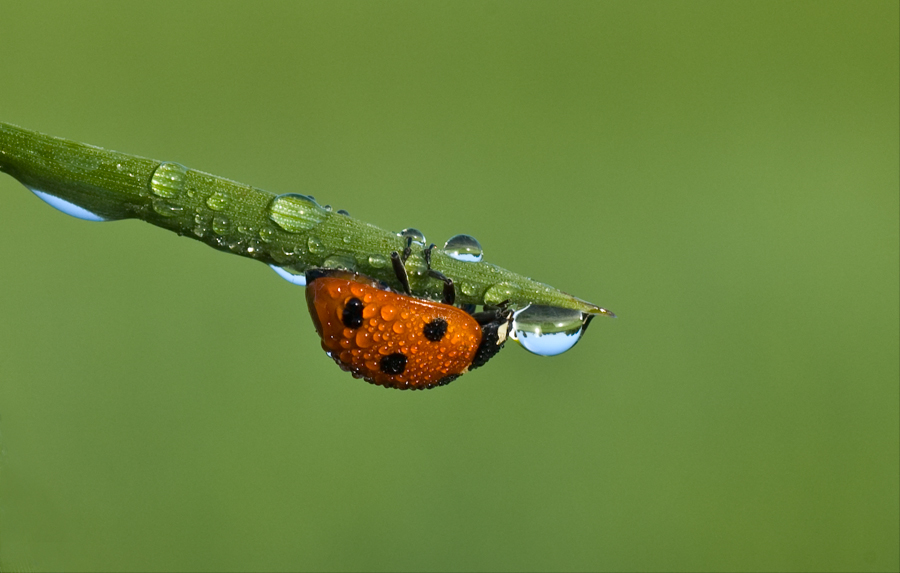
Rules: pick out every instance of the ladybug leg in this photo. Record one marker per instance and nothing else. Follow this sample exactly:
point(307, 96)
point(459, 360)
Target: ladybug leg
point(400, 270)
point(407, 250)
point(449, 289)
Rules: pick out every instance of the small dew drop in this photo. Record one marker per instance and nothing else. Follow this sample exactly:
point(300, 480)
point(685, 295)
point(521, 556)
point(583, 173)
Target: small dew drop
point(168, 180)
point(217, 201)
point(416, 235)
point(378, 261)
point(499, 292)
point(343, 212)
point(339, 262)
point(464, 248)
point(266, 234)
point(165, 209)
point(295, 213)
point(467, 289)
point(221, 224)
point(315, 245)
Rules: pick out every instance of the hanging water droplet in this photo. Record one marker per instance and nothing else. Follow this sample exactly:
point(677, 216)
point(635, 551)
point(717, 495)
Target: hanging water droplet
point(499, 292)
point(165, 209)
point(315, 245)
point(217, 201)
point(70, 209)
point(290, 275)
point(464, 248)
point(416, 235)
point(295, 213)
point(339, 262)
point(378, 261)
point(548, 330)
point(220, 224)
point(168, 180)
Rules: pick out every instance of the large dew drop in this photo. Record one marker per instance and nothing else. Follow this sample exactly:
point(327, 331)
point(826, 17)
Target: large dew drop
point(464, 248)
point(295, 213)
point(548, 330)
point(290, 275)
point(68, 208)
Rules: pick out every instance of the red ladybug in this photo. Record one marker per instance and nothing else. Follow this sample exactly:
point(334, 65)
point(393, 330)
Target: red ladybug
point(397, 340)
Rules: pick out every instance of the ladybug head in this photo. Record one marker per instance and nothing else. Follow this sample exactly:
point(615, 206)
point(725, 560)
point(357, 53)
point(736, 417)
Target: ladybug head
point(495, 325)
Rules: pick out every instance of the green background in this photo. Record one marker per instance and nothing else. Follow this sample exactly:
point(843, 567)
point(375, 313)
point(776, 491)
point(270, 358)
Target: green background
point(722, 175)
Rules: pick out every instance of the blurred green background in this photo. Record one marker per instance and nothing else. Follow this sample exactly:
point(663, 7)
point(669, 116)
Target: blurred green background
point(722, 175)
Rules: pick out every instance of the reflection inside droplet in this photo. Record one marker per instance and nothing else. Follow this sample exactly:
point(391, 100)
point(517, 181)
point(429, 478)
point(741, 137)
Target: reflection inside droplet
point(66, 207)
point(290, 276)
point(548, 330)
point(464, 248)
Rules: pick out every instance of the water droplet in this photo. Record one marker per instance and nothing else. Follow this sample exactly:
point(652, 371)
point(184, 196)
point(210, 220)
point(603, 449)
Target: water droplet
point(217, 201)
point(499, 292)
point(416, 235)
point(290, 275)
point(464, 248)
point(548, 330)
point(68, 208)
point(343, 212)
point(378, 261)
point(168, 180)
point(295, 213)
point(347, 239)
point(165, 209)
point(266, 234)
point(467, 289)
point(339, 262)
point(221, 224)
point(315, 245)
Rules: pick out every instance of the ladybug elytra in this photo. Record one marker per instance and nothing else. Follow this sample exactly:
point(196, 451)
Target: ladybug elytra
point(397, 340)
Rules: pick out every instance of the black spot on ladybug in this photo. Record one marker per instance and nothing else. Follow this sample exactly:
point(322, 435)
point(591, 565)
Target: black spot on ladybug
point(435, 330)
point(352, 316)
point(393, 363)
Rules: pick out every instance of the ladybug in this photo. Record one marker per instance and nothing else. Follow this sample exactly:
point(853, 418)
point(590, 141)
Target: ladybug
point(394, 339)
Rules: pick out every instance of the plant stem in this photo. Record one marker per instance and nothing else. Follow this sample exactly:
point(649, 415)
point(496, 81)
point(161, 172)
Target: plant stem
point(290, 231)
